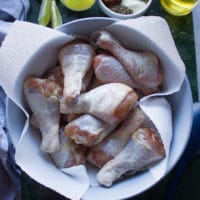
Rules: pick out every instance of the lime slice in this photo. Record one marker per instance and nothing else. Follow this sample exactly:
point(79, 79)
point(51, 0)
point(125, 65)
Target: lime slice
point(45, 12)
point(56, 19)
point(78, 5)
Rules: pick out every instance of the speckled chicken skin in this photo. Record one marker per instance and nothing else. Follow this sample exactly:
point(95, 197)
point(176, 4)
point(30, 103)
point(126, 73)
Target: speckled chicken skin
point(115, 142)
point(110, 102)
point(143, 67)
point(42, 96)
point(69, 154)
point(144, 149)
point(88, 130)
point(76, 60)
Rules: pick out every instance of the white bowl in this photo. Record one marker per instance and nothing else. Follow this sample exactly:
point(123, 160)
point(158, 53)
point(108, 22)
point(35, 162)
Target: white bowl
point(116, 15)
point(181, 104)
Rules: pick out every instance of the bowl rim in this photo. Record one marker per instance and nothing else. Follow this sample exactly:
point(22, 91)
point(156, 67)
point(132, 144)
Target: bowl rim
point(105, 9)
point(108, 19)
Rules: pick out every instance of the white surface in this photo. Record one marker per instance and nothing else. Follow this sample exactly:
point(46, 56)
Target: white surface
point(28, 153)
point(196, 24)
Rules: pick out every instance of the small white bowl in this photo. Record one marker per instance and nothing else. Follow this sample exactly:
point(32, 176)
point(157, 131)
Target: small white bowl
point(113, 14)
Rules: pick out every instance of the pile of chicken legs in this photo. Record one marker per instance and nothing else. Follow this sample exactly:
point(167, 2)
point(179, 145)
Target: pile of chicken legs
point(86, 107)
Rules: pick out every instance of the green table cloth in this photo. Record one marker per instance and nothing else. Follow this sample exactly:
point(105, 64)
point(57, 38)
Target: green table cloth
point(182, 31)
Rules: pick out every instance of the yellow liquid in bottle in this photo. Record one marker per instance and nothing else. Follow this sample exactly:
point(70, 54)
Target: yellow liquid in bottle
point(179, 7)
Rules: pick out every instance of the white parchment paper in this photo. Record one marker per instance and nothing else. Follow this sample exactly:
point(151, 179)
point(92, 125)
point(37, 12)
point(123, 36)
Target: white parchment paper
point(32, 49)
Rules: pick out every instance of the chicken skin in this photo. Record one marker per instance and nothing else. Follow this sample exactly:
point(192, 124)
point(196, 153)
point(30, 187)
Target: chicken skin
point(110, 102)
point(75, 59)
point(69, 153)
point(115, 142)
point(56, 75)
point(144, 149)
point(108, 69)
point(143, 67)
point(88, 130)
point(42, 97)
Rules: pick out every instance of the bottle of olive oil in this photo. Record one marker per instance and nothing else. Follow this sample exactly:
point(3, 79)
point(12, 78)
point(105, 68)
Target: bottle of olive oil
point(179, 7)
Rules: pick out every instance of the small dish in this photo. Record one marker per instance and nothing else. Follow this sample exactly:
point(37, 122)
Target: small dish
point(113, 14)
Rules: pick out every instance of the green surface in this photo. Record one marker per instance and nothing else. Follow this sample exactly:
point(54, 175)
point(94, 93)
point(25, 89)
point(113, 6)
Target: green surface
point(182, 31)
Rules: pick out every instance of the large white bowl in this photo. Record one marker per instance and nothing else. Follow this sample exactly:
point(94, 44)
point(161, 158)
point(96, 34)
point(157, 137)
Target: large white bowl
point(181, 104)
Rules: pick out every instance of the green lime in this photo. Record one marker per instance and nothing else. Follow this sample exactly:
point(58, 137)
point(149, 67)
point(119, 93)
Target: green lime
point(78, 5)
point(56, 19)
point(45, 12)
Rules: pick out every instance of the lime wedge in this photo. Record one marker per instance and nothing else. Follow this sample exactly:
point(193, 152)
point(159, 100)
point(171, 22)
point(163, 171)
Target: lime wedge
point(56, 19)
point(45, 12)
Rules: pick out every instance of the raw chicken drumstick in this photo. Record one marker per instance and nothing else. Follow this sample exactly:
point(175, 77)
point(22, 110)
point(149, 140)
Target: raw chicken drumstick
point(75, 59)
point(42, 97)
point(108, 69)
point(110, 102)
point(88, 130)
point(57, 76)
point(69, 154)
point(143, 67)
point(115, 142)
point(144, 149)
